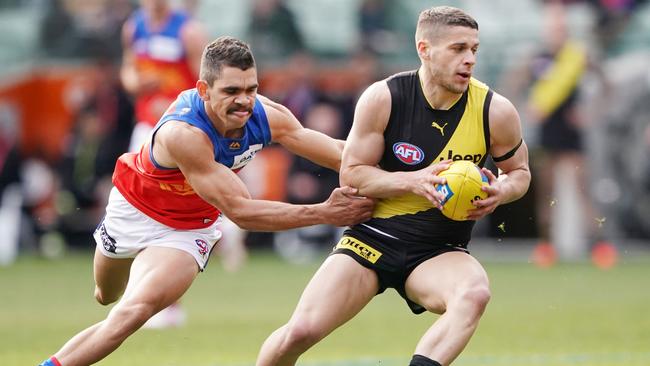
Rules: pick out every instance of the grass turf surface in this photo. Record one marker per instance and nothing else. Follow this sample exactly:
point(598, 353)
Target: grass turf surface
point(567, 315)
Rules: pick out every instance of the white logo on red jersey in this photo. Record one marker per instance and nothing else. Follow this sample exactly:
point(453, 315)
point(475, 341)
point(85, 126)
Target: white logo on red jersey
point(239, 161)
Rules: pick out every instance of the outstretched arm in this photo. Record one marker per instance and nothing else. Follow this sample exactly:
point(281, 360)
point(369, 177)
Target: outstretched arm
point(312, 145)
point(181, 145)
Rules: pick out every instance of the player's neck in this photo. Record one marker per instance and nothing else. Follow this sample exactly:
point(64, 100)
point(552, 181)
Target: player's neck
point(438, 96)
point(227, 131)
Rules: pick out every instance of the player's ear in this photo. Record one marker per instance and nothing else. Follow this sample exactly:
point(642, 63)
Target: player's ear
point(422, 46)
point(202, 89)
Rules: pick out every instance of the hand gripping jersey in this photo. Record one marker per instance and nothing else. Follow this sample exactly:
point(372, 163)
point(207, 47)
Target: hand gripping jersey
point(417, 136)
point(163, 193)
point(160, 53)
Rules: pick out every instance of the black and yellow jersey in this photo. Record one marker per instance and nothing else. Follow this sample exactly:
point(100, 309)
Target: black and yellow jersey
point(417, 136)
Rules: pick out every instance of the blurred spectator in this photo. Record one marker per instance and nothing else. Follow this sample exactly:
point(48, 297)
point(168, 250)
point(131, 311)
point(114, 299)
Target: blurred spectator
point(366, 69)
point(273, 31)
point(554, 75)
point(10, 193)
point(303, 93)
point(57, 32)
point(374, 26)
point(99, 136)
point(625, 146)
point(28, 186)
point(310, 183)
point(83, 29)
point(162, 50)
point(612, 19)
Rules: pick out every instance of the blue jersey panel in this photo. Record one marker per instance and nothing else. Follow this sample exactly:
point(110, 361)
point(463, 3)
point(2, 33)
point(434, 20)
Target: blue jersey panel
point(233, 153)
point(171, 29)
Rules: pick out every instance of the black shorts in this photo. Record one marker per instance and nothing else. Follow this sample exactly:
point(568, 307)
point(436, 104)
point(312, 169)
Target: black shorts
point(392, 259)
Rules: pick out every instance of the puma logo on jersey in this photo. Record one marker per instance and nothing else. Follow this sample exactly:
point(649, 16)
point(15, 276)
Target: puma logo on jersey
point(440, 128)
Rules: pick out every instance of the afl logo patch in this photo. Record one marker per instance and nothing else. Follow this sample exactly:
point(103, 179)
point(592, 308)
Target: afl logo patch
point(408, 153)
point(202, 246)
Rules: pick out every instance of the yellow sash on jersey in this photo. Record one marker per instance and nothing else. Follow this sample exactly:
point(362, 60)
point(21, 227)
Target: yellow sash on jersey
point(467, 143)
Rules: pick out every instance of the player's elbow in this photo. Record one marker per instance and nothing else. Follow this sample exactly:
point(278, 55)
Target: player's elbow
point(243, 221)
point(236, 210)
point(524, 180)
point(346, 174)
point(519, 182)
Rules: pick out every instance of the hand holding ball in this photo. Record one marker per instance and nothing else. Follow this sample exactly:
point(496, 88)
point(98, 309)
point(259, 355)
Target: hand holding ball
point(464, 182)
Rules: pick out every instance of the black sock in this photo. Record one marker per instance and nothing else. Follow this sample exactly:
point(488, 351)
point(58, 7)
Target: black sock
point(419, 360)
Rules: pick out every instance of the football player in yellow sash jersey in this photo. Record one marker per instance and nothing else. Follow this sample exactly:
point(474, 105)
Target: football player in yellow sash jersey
point(407, 129)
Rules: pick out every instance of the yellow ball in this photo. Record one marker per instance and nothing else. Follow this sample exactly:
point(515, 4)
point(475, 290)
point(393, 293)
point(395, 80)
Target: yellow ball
point(464, 182)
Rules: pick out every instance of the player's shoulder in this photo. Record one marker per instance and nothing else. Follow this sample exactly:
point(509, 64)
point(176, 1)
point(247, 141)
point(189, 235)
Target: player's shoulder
point(502, 111)
point(274, 110)
point(187, 105)
point(177, 133)
point(407, 74)
point(378, 92)
point(268, 103)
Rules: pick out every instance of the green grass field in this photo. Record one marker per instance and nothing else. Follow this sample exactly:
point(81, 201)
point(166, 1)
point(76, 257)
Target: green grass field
point(567, 315)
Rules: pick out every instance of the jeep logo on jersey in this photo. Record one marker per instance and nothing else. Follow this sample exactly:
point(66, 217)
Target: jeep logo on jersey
point(408, 153)
point(452, 155)
point(239, 161)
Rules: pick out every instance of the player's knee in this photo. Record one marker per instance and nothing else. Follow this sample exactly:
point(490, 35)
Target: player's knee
point(130, 317)
point(104, 298)
point(300, 336)
point(476, 297)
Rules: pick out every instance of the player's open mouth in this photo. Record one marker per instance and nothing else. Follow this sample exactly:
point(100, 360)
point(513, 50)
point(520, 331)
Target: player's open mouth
point(464, 75)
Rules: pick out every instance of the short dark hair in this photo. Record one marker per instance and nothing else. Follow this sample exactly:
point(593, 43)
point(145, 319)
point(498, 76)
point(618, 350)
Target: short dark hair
point(224, 51)
point(431, 18)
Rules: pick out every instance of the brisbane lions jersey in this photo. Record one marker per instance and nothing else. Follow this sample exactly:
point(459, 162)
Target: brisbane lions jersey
point(417, 136)
point(160, 53)
point(163, 193)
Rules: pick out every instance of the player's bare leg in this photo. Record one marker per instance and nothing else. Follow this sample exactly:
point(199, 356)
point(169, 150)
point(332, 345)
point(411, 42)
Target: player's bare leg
point(455, 285)
point(149, 289)
point(336, 293)
point(111, 276)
